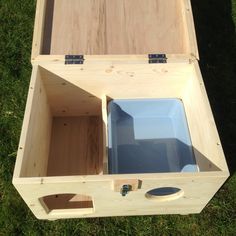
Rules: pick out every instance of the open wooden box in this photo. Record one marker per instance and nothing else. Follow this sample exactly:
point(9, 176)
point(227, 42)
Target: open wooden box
point(86, 53)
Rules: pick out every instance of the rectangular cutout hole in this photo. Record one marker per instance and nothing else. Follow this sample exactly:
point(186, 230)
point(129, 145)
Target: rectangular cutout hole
point(59, 202)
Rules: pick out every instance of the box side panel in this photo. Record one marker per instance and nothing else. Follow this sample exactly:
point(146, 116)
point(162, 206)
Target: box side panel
point(118, 80)
point(35, 137)
point(67, 99)
point(196, 193)
point(202, 126)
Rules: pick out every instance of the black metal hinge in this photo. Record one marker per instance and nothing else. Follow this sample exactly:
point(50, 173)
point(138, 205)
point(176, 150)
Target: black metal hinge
point(157, 58)
point(74, 59)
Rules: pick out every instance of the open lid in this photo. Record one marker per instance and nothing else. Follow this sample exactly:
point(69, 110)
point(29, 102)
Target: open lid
point(114, 27)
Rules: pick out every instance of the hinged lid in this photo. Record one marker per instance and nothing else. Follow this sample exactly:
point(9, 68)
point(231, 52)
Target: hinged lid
point(127, 27)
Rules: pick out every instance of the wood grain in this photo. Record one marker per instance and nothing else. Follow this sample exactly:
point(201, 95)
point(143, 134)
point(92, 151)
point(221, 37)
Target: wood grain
point(198, 189)
point(67, 99)
point(117, 27)
point(71, 162)
point(78, 27)
point(75, 148)
point(35, 143)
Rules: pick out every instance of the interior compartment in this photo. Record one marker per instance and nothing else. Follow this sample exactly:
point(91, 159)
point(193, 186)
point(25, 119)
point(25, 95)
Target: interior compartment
point(104, 27)
point(65, 135)
point(149, 136)
point(65, 126)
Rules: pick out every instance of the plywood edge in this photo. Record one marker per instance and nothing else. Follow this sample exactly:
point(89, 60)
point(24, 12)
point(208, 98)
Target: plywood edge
point(190, 32)
point(38, 29)
point(26, 121)
point(105, 134)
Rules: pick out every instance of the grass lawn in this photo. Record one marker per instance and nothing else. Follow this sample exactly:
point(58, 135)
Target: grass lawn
point(215, 21)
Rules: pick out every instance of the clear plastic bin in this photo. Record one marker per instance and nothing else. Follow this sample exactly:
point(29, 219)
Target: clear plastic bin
point(149, 136)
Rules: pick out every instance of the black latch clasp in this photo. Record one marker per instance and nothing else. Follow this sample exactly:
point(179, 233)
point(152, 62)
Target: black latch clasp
point(125, 189)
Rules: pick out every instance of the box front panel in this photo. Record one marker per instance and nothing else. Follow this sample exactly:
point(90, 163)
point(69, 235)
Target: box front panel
point(189, 193)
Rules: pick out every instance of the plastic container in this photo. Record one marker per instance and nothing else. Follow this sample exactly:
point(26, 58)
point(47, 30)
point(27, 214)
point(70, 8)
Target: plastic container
point(149, 136)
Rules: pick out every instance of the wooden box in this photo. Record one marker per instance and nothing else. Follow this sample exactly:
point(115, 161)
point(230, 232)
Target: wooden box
point(84, 54)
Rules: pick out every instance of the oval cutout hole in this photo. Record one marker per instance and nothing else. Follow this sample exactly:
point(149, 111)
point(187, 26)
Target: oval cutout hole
point(164, 194)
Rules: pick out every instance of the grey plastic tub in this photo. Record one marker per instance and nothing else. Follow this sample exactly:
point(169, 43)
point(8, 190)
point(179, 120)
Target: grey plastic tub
point(149, 136)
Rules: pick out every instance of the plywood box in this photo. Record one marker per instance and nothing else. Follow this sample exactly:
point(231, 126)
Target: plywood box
point(84, 54)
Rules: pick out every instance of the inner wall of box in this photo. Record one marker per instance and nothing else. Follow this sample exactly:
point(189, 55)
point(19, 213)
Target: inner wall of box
point(67, 130)
point(114, 27)
point(76, 139)
point(66, 134)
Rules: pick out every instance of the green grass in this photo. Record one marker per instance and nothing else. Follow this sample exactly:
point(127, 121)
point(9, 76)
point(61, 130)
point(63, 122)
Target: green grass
point(217, 45)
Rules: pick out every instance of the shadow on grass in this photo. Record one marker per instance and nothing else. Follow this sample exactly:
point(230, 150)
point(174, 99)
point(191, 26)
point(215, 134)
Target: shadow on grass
point(217, 43)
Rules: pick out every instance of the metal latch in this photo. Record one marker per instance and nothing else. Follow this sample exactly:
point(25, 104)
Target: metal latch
point(157, 58)
point(125, 189)
point(74, 59)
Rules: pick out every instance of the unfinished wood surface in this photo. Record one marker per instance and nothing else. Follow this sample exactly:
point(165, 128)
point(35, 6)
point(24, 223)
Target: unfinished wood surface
point(189, 29)
point(75, 148)
point(204, 135)
point(38, 37)
point(66, 99)
point(198, 189)
point(111, 59)
point(126, 80)
point(115, 27)
point(164, 81)
point(141, 27)
point(35, 138)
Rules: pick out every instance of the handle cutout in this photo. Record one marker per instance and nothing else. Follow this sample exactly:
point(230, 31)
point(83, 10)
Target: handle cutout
point(164, 194)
